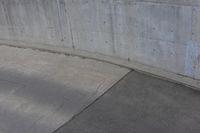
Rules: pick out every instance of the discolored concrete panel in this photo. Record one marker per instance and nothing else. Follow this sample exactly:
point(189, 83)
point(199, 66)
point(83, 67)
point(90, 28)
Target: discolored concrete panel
point(192, 61)
point(40, 91)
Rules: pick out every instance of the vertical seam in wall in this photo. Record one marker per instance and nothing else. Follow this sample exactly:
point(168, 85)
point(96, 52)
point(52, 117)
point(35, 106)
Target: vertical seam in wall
point(6, 14)
point(60, 24)
point(70, 27)
point(192, 22)
point(112, 15)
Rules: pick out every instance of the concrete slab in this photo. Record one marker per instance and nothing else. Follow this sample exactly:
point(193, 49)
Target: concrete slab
point(141, 104)
point(40, 91)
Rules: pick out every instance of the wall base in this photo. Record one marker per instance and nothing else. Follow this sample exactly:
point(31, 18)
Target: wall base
point(157, 72)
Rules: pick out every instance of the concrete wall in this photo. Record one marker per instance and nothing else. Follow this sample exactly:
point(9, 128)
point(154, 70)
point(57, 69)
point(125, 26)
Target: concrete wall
point(160, 33)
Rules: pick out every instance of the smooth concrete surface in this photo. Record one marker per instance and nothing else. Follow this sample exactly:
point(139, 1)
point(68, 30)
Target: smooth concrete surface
point(159, 33)
point(140, 104)
point(40, 91)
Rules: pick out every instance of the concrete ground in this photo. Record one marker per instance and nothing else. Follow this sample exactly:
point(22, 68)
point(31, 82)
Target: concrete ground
point(140, 104)
point(42, 92)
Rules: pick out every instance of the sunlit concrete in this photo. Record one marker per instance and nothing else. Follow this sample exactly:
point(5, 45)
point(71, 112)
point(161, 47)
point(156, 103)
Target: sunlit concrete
point(40, 91)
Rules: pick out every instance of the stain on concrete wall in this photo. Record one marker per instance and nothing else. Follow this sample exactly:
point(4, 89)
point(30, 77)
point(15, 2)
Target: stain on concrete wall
point(192, 62)
point(159, 33)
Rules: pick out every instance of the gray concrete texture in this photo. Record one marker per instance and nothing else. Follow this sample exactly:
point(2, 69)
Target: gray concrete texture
point(160, 33)
point(41, 91)
point(140, 104)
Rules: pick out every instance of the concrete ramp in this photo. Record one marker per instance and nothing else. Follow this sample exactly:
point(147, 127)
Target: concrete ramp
point(40, 91)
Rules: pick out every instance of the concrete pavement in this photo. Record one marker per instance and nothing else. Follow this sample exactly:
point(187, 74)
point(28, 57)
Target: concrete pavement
point(141, 104)
point(40, 91)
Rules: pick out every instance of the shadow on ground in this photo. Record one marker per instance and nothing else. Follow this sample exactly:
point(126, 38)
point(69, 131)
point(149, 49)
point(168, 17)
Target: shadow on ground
point(31, 104)
point(141, 104)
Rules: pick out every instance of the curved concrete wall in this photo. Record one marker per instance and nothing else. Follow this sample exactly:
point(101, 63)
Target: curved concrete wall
point(160, 33)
